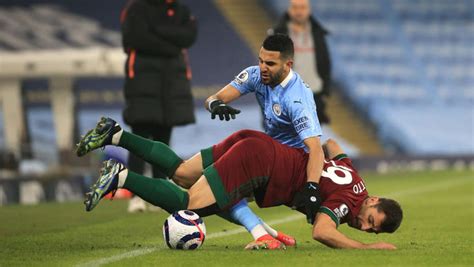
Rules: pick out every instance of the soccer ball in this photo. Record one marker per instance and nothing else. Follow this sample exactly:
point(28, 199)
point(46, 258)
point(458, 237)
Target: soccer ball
point(184, 229)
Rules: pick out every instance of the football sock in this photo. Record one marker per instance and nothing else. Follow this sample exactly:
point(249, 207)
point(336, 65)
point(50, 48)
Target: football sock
point(159, 192)
point(258, 231)
point(154, 152)
point(122, 176)
point(268, 229)
point(245, 216)
point(116, 137)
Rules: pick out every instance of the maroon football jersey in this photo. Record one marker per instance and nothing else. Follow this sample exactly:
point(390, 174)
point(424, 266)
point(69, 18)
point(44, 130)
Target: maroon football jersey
point(342, 190)
point(275, 173)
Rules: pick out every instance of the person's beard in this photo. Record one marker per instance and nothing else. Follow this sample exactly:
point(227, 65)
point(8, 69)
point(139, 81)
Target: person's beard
point(277, 78)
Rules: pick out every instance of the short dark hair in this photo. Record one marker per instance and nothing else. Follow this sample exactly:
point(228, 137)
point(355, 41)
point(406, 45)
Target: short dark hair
point(281, 43)
point(393, 214)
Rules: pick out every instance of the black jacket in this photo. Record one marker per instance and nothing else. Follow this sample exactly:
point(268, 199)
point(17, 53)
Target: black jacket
point(323, 62)
point(155, 34)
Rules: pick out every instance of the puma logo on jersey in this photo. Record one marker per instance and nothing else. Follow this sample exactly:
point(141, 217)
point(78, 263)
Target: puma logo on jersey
point(298, 101)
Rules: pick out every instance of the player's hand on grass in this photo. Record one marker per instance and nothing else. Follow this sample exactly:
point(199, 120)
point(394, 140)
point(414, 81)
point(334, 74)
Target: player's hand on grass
point(219, 108)
point(381, 245)
point(254, 245)
point(309, 198)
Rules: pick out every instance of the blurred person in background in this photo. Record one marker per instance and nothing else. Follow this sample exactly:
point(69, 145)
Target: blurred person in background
point(311, 58)
point(155, 36)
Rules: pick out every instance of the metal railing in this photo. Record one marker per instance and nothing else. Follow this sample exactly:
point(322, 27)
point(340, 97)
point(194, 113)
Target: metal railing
point(60, 68)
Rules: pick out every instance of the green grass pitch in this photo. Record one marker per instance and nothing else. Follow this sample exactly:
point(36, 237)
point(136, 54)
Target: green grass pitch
point(437, 231)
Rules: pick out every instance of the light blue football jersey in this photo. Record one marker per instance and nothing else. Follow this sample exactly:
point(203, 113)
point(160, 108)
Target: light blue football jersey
point(288, 109)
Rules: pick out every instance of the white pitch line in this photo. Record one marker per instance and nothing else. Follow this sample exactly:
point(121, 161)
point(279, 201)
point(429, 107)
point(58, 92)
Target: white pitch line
point(138, 252)
point(130, 254)
point(143, 251)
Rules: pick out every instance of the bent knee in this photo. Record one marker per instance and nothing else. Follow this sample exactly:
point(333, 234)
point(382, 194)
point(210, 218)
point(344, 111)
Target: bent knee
point(185, 176)
point(183, 182)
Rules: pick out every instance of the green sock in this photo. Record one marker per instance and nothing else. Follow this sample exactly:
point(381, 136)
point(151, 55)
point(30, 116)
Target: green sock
point(153, 152)
point(159, 192)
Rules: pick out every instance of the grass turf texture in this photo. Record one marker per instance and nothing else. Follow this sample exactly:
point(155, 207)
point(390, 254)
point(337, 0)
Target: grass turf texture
point(437, 231)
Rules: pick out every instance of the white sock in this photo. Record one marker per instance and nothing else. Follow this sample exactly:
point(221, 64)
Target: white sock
point(270, 230)
point(116, 137)
point(122, 176)
point(258, 231)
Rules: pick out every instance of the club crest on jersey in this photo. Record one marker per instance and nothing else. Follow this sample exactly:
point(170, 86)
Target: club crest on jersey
point(342, 211)
point(242, 77)
point(277, 109)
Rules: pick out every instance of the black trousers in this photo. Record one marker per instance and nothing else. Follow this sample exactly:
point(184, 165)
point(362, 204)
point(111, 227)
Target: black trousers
point(156, 133)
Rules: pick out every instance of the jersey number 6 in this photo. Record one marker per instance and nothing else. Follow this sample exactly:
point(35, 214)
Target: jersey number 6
point(338, 174)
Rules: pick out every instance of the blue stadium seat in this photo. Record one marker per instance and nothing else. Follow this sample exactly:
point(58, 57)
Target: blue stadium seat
point(408, 65)
point(218, 49)
point(217, 56)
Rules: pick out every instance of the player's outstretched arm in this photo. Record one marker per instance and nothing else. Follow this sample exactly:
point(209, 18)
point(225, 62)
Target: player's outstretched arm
point(325, 231)
point(217, 103)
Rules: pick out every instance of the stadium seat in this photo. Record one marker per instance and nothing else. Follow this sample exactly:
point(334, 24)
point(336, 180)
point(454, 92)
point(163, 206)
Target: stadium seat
point(217, 56)
point(407, 65)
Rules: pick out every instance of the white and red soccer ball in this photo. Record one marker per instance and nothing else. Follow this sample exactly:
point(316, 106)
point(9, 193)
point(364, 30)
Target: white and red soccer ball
point(184, 229)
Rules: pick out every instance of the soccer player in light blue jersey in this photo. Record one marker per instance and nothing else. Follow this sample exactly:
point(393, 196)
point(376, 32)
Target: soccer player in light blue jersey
point(289, 117)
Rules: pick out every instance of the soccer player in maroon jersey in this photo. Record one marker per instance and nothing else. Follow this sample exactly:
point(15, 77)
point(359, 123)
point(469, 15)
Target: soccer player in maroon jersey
point(250, 163)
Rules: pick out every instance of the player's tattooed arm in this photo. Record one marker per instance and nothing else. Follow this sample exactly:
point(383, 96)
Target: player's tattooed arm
point(325, 231)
